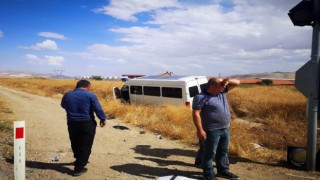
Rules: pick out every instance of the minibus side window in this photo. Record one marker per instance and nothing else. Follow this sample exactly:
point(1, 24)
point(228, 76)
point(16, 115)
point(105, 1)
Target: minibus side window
point(171, 92)
point(151, 91)
point(193, 90)
point(203, 87)
point(136, 90)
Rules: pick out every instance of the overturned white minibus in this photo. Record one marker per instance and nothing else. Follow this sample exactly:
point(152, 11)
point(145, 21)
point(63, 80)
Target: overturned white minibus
point(161, 90)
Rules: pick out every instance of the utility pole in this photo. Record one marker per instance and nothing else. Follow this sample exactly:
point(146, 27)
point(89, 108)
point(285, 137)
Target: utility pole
point(307, 13)
point(58, 73)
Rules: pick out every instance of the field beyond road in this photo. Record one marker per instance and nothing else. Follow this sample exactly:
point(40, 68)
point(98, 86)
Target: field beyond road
point(265, 119)
point(133, 153)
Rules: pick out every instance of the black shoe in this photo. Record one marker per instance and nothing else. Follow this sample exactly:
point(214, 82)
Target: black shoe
point(79, 172)
point(74, 163)
point(206, 177)
point(228, 175)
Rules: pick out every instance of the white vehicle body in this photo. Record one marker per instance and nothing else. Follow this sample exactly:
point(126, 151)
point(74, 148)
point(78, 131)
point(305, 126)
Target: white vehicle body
point(162, 90)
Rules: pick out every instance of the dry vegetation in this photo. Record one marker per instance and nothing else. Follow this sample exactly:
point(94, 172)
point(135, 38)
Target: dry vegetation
point(6, 139)
point(279, 112)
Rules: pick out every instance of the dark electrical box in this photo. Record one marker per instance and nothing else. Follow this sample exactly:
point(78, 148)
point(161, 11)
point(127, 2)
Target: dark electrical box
point(302, 14)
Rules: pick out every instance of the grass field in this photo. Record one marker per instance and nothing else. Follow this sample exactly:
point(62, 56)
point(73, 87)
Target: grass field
point(278, 113)
point(6, 130)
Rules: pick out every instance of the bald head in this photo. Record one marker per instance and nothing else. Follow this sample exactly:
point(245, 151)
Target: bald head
point(214, 82)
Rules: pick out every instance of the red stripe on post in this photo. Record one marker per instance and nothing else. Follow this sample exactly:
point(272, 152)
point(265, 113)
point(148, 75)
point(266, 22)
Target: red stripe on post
point(19, 133)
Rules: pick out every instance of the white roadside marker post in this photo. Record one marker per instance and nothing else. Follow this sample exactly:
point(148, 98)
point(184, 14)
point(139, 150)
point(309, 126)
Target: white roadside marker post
point(19, 150)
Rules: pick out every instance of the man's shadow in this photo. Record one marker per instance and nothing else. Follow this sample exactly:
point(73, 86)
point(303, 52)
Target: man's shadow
point(154, 172)
point(162, 153)
point(164, 166)
point(59, 167)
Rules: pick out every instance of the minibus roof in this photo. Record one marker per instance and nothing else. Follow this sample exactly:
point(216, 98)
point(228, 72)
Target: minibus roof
point(172, 78)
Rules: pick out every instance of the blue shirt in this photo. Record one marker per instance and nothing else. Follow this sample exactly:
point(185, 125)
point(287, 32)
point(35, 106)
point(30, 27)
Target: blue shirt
point(215, 113)
point(80, 105)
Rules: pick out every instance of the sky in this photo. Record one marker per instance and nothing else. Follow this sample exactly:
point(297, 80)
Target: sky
point(186, 37)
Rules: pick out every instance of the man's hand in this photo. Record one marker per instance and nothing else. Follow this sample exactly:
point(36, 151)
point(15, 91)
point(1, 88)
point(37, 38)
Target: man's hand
point(231, 83)
point(102, 123)
point(225, 81)
point(202, 135)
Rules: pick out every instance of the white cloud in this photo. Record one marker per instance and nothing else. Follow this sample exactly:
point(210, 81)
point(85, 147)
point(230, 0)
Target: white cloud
point(33, 59)
point(127, 9)
point(47, 60)
point(1, 34)
point(162, 65)
point(122, 61)
point(52, 35)
point(47, 44)
point(54, 60)
point(247, 36)
point(92, 66)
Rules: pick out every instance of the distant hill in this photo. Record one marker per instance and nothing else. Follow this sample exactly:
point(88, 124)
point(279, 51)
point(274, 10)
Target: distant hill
point(268, 75)
point(29, 74)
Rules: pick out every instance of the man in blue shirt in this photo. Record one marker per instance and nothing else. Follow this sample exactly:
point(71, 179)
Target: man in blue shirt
point(211, 116)
point(80, 104)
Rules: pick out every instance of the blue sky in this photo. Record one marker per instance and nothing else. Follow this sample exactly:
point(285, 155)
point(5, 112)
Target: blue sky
point(186, 37)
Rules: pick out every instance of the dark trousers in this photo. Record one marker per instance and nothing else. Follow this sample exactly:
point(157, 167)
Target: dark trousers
point(81, 134)
point(199, 153)
point(216, 147)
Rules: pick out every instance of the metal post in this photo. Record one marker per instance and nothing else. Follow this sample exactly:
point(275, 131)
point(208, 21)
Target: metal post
point(314, 97)
point(312, 135)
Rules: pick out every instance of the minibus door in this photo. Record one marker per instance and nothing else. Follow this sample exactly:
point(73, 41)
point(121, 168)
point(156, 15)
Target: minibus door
point(125, 93)
point(116, 93)
point(122, 94)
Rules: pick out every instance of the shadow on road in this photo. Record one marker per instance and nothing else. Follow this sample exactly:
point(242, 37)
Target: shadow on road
point(159, 156)
point(154, 172)
point(163, 162)
point(60, 167)
point(162, 153)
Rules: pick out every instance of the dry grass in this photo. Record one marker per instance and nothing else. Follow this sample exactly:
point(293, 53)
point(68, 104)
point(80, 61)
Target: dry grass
point(279, 110)
point(57, 87)
point(6, 116)
point(170, 121)
point(6, 124)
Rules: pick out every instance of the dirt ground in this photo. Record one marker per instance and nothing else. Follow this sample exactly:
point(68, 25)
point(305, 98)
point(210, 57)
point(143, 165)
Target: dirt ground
point(120, 151)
